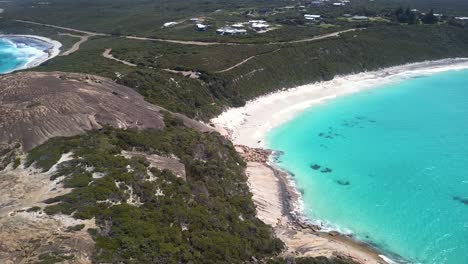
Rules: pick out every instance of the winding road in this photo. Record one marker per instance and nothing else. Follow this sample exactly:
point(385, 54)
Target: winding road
point(76, 45)
point(64, 28)
point(107, 53)
point(190, 42)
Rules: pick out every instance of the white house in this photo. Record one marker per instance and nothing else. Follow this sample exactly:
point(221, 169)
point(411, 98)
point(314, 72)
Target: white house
point(257, 21)
point(238, 25)
point(231, 31)
point(360, 18)
point(201, 27)
point(260, 26)
point(338, 4)
point(169, 24)
point(312, 17)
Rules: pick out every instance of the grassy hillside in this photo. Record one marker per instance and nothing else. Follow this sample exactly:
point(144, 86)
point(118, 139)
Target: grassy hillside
point(146, 17)
point(370, 49)
point(273, 67)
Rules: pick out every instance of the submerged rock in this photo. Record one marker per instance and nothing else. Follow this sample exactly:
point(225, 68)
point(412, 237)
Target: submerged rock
point(343, 182)
point(301, 191)
point(461, 200)
point(315, 167)
point(326, 170)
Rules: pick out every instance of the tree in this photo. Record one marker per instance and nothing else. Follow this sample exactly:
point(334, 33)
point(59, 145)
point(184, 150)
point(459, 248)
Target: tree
point(399, 14)
point(429, 18)
point(406, 16)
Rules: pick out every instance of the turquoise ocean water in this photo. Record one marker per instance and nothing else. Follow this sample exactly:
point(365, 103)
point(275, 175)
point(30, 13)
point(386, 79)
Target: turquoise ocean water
point(17, 52)
point(389, 165)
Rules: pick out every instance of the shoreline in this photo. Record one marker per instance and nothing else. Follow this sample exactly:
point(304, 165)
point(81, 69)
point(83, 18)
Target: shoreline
point(276, 197)
point(247, 127)
point(249, 124)
point(52, 50)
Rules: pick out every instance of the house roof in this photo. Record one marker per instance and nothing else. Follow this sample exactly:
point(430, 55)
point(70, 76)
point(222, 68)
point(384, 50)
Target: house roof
point(312, 16)
point(168, 24)
point(260, 25)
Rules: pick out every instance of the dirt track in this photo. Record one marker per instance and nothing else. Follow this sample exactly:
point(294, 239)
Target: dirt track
point(76, 46)
point(189, 42)
point(107, 54)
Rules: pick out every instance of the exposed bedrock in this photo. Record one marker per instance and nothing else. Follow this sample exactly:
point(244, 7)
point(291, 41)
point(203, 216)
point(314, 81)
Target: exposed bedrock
point(37, 106)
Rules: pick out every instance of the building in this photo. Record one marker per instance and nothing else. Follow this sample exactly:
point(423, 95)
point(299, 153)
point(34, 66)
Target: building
point(238, 25)
point(169, 24)
point(462, 18)
point(257, 21)
point(360, 18)
point(312, 17)
point(231, 31)
point(201, 27)
point(260, 26)
point(316, 3)
point(338, 4)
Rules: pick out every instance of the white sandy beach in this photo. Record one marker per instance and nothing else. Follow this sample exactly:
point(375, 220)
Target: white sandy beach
point(248, 125)
point(51, 52)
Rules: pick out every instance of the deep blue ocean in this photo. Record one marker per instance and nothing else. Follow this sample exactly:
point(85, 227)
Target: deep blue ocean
point(389, 165)
point(16, 53)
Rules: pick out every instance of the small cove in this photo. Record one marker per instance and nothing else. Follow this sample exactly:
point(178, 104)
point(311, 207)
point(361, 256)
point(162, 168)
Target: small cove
point(387, 165)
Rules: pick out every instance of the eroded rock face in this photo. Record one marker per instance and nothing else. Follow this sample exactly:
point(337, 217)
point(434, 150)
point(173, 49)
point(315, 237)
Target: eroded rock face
point(37, 106)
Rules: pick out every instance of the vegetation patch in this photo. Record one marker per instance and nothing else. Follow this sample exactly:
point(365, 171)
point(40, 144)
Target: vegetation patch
point(147, 215)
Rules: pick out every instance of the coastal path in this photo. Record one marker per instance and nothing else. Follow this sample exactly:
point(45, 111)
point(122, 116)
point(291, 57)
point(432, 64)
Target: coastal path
point(107, 54)
point(64, 28)
point(326, 36)
point(237, 65)
point(76, 45)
